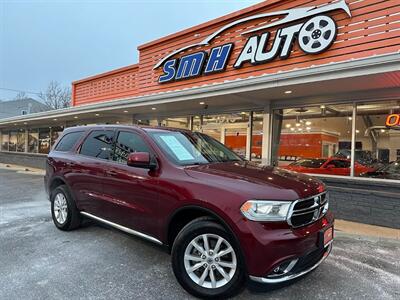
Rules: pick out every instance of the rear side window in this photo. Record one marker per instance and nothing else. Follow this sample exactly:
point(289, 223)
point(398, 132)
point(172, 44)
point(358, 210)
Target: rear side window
point(128, 142)
point(99, 143)
point(68, 141)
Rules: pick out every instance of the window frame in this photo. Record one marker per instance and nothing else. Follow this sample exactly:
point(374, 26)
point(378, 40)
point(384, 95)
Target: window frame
point(82, 134)
point(86, 136)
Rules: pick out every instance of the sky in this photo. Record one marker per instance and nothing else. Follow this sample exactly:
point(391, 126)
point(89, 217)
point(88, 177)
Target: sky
point(67, 40)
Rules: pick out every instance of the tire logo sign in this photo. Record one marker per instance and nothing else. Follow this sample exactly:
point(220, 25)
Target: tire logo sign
point(393, 121)
point(315, 34)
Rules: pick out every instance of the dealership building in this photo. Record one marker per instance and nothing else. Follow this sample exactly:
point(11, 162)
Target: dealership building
point(278, 82)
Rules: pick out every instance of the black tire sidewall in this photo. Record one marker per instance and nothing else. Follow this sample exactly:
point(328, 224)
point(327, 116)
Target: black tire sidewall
point(187, 234)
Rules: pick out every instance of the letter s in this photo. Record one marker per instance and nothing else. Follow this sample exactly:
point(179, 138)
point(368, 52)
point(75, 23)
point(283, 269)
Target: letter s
point(169, 70)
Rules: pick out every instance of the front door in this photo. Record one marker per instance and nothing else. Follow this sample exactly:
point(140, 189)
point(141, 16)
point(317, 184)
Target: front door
point(131, 193)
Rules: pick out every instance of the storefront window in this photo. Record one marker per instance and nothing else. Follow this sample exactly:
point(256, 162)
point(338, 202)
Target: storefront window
point(44, 140)
point(5, 139)
point(180, 122)
point(313, 139)
point(33, 140)
point(257, 136)
point(377, 147)
point(21, 140)
point(13, 141)
point(229, 129)
point(55, 133)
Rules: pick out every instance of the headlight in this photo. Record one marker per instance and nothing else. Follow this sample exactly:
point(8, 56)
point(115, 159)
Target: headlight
point(261, 210)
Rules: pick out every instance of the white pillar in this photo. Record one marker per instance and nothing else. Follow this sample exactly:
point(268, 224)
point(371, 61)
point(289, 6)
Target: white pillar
point(266, 138)
point(353, 139)
point(249, 136)
point(26, 140)
point(223, 132)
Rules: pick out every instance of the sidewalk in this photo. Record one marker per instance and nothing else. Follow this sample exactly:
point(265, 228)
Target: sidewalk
point(366, 230)
point(22, 169)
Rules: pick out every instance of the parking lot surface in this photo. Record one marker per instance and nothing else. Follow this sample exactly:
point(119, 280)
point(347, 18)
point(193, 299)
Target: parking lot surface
point(37, 261)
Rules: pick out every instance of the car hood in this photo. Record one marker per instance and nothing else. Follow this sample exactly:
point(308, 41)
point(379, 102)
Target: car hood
point(260, 182)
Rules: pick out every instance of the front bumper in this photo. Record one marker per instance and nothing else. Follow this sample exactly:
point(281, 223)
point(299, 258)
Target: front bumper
point(293, 270)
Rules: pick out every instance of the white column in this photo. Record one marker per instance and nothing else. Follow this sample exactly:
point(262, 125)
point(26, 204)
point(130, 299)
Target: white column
point(353, 139)
point(223, 132)
point(266, 138)
point(249, 136)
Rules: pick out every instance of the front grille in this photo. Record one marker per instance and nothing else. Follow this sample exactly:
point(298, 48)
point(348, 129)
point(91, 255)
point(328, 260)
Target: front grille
point(309, 210)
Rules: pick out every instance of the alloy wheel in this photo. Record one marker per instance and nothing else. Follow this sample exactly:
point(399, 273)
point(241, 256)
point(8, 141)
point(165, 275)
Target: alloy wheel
point(210, 261)
point(60, 208)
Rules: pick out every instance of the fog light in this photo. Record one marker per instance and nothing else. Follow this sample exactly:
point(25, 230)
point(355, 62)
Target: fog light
point(283, 268)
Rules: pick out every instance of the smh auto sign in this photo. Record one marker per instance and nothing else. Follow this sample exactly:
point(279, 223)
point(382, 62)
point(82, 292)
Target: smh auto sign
point(315, 33)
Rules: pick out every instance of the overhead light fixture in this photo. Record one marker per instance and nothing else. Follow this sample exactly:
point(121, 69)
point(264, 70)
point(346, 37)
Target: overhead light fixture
point(350, 118)
point(75, 117)
point(308, 128)
point(292, 129)
point(260, 123)
point(96, 115)
point(383, 130)
point(308, 123)
point(322, 106)
point(288, 92)
point(125, 111)
point(202, 103)
point(153, 108)
point(288, 125)
point(357, 131)
point(298, 124)
point(54, 119)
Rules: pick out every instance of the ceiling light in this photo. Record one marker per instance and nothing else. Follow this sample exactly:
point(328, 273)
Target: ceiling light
point(75, 117)
point(350, 118)
point(308, 128)
point(288, 125)
point(117, 122)
point(322, 106)
point(202, 103)
point(288, 92)
point(308, 123)
point(298, 124)
point(357, 131)
point(54, 119)
point(292, 129)
point(260, 123)
point(299, 129)
point(25, 123)
point(96, 115)
point(383, 130)
point(153, 108)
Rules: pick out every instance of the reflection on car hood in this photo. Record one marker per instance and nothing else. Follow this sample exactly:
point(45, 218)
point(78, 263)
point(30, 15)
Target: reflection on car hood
point(278, 180)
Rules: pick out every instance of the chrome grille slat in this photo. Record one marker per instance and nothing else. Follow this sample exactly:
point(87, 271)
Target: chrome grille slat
point(302, 216)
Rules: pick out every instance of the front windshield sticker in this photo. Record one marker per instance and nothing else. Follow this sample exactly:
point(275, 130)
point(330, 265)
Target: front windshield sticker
point(176, 147)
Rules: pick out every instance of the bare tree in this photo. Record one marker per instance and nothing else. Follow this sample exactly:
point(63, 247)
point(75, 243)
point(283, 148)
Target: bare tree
point(21, 95)
point(56, 96)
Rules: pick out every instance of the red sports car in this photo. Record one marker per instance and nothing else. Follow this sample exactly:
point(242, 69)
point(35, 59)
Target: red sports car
point(329, 166)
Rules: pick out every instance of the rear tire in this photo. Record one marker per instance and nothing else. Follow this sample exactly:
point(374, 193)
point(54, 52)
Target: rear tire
point(63, 209)
point(215, 274)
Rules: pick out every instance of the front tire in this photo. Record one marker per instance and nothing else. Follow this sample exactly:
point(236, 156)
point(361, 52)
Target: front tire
point(63, 209)
point(206, 260)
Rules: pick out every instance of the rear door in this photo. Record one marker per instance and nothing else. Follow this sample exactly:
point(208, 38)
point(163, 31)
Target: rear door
point(131, 193)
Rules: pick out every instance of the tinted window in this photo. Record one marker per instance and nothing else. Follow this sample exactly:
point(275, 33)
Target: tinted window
point(128, 142)
point(340, 163)
point(309, 163)
point(68, 141)
point(98, 144)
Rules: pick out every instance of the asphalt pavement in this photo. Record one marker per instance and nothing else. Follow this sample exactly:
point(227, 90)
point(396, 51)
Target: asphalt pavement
point(37, 261)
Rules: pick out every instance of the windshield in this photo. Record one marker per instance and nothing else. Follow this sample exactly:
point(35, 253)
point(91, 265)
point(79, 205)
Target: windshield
point(309, 163)
point(392, 168)
point(192, 148)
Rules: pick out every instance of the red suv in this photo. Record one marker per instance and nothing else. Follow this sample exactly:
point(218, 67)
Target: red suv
point(224, 219)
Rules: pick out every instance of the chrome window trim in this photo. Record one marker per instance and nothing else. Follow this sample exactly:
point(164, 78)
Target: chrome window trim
point(123, 228)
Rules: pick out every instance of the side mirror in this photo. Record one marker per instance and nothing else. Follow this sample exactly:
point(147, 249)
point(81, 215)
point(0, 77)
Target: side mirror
point(141, 160)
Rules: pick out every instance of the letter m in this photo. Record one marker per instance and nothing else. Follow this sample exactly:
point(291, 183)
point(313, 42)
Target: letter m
point(190, 65)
